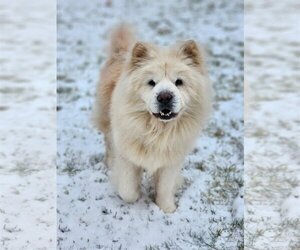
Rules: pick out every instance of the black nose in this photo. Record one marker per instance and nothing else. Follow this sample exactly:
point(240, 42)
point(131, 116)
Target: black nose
point(164, 97)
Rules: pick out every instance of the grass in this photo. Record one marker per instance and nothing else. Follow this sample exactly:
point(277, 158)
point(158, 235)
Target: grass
point(23, 168)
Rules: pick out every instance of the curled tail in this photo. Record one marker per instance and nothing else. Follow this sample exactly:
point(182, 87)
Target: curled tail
point(122, 38)
point(121, 41)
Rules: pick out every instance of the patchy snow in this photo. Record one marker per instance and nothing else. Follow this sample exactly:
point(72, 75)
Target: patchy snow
point(90, 214)
point(238, 206)
point(290, 206)
point(272, 131)
point(28, 125)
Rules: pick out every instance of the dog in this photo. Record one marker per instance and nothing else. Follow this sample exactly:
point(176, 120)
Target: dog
point(151, 104)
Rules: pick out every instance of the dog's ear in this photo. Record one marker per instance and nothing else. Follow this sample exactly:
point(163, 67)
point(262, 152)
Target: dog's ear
point(140, 53)
point(190, 52)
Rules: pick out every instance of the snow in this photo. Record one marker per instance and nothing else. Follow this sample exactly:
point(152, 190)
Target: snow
point(90, 214)
point(238, 206)
point(290, 206)
point(211, 213)
point(28, 125)
point(272, 131)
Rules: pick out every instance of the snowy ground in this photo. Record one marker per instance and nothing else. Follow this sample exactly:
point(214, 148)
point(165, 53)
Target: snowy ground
point(210, 204)
point(27, 125)
point(90, 214)
point(272, 160)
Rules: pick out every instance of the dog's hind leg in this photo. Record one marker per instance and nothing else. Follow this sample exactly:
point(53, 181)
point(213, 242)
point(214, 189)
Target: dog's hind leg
point(108, 158)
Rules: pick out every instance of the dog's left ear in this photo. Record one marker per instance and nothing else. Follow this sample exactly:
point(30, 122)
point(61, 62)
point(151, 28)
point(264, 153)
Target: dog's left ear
point(190, 52)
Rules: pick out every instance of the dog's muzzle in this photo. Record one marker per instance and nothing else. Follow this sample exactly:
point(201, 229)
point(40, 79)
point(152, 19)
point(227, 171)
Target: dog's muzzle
point(165, 101)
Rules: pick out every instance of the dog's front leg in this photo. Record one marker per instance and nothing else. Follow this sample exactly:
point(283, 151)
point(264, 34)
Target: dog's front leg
point(166, 180)
point(127, 179)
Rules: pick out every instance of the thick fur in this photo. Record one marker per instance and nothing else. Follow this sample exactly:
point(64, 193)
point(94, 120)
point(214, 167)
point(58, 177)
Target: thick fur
point(135, 139)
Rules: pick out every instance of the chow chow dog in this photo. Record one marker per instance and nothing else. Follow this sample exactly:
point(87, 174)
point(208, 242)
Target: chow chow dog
point(151, 104)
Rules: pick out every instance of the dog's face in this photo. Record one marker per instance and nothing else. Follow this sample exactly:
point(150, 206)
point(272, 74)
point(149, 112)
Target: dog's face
point(166, 82)
point(162, 94)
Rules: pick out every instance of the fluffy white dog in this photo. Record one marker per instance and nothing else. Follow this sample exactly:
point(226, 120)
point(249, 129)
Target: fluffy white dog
point(151, 105)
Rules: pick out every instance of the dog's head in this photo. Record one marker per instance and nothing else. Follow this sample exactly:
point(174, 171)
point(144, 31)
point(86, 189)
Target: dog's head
point(167, 82)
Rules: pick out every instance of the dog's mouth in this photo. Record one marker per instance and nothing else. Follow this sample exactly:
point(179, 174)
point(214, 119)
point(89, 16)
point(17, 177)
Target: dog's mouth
point(165, 114)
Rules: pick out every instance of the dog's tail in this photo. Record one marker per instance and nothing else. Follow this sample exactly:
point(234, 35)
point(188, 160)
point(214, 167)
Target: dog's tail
point(122, 38)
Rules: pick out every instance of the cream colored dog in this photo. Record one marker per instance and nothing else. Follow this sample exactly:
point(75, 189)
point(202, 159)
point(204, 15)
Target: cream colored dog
point(151, 105)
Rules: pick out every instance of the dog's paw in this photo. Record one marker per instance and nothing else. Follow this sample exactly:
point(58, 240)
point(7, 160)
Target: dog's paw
point(129, 196)
point(166, 206)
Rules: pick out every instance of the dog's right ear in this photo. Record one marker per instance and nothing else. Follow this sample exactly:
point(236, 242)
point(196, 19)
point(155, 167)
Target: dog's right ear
point(140, 53)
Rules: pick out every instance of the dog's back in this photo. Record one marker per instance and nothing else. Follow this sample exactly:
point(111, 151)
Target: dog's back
point(122, 39)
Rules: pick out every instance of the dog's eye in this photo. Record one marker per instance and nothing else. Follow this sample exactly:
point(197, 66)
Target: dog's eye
point(151, 83)
point(178, 82)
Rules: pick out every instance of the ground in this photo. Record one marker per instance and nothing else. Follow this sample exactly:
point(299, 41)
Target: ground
point(210, 204)
point(90, 214)
point(272, 215)
point(27, 125)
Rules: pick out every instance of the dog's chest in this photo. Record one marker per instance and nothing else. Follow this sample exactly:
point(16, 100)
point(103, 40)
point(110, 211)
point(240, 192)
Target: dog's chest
point(154, 150)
